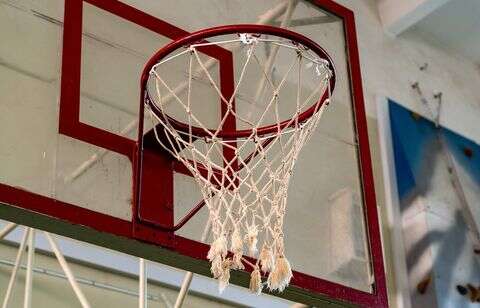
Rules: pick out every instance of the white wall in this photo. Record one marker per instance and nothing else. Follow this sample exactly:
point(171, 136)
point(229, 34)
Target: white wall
point(390, 65)
point(397, 16)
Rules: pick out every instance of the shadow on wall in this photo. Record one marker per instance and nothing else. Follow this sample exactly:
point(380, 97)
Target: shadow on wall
point(450, 244)
point(425, 189)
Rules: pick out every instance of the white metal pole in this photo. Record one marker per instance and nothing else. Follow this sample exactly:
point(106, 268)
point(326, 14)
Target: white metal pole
point(13, 276)
point(29, 276)
point(142, 286)
point(7, 230)
point(298, 305)
point(187, 279)
point(67, 271)
point(272, 14)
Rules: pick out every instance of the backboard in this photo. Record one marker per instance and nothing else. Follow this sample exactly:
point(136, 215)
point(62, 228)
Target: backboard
point(70, 81)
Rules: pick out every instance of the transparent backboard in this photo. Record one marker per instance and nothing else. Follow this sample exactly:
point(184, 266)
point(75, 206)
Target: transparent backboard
point(326, 232)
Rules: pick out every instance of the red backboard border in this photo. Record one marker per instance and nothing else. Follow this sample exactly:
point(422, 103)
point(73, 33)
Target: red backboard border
point(304, 288)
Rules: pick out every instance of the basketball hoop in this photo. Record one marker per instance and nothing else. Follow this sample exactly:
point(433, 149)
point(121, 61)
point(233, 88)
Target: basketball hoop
point(242, 169)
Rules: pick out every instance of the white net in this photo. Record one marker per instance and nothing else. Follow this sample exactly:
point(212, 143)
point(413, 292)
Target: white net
point(243, 179)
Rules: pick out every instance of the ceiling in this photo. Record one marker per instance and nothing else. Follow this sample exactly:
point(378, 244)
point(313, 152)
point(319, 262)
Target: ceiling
point(455, 25)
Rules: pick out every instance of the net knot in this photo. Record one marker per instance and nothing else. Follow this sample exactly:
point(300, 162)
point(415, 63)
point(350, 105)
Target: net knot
point(248, 38)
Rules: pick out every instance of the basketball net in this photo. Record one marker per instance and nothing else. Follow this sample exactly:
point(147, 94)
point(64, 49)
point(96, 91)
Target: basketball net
point(245, 192)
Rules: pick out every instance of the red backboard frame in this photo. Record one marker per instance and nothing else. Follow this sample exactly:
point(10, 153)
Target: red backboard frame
point(305, 288)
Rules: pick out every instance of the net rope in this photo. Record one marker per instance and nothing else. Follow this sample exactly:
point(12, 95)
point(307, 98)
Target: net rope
point(243, 181)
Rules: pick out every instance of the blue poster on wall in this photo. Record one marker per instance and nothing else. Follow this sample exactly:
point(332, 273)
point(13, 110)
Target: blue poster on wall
point(414, 136)
point(426, 157)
